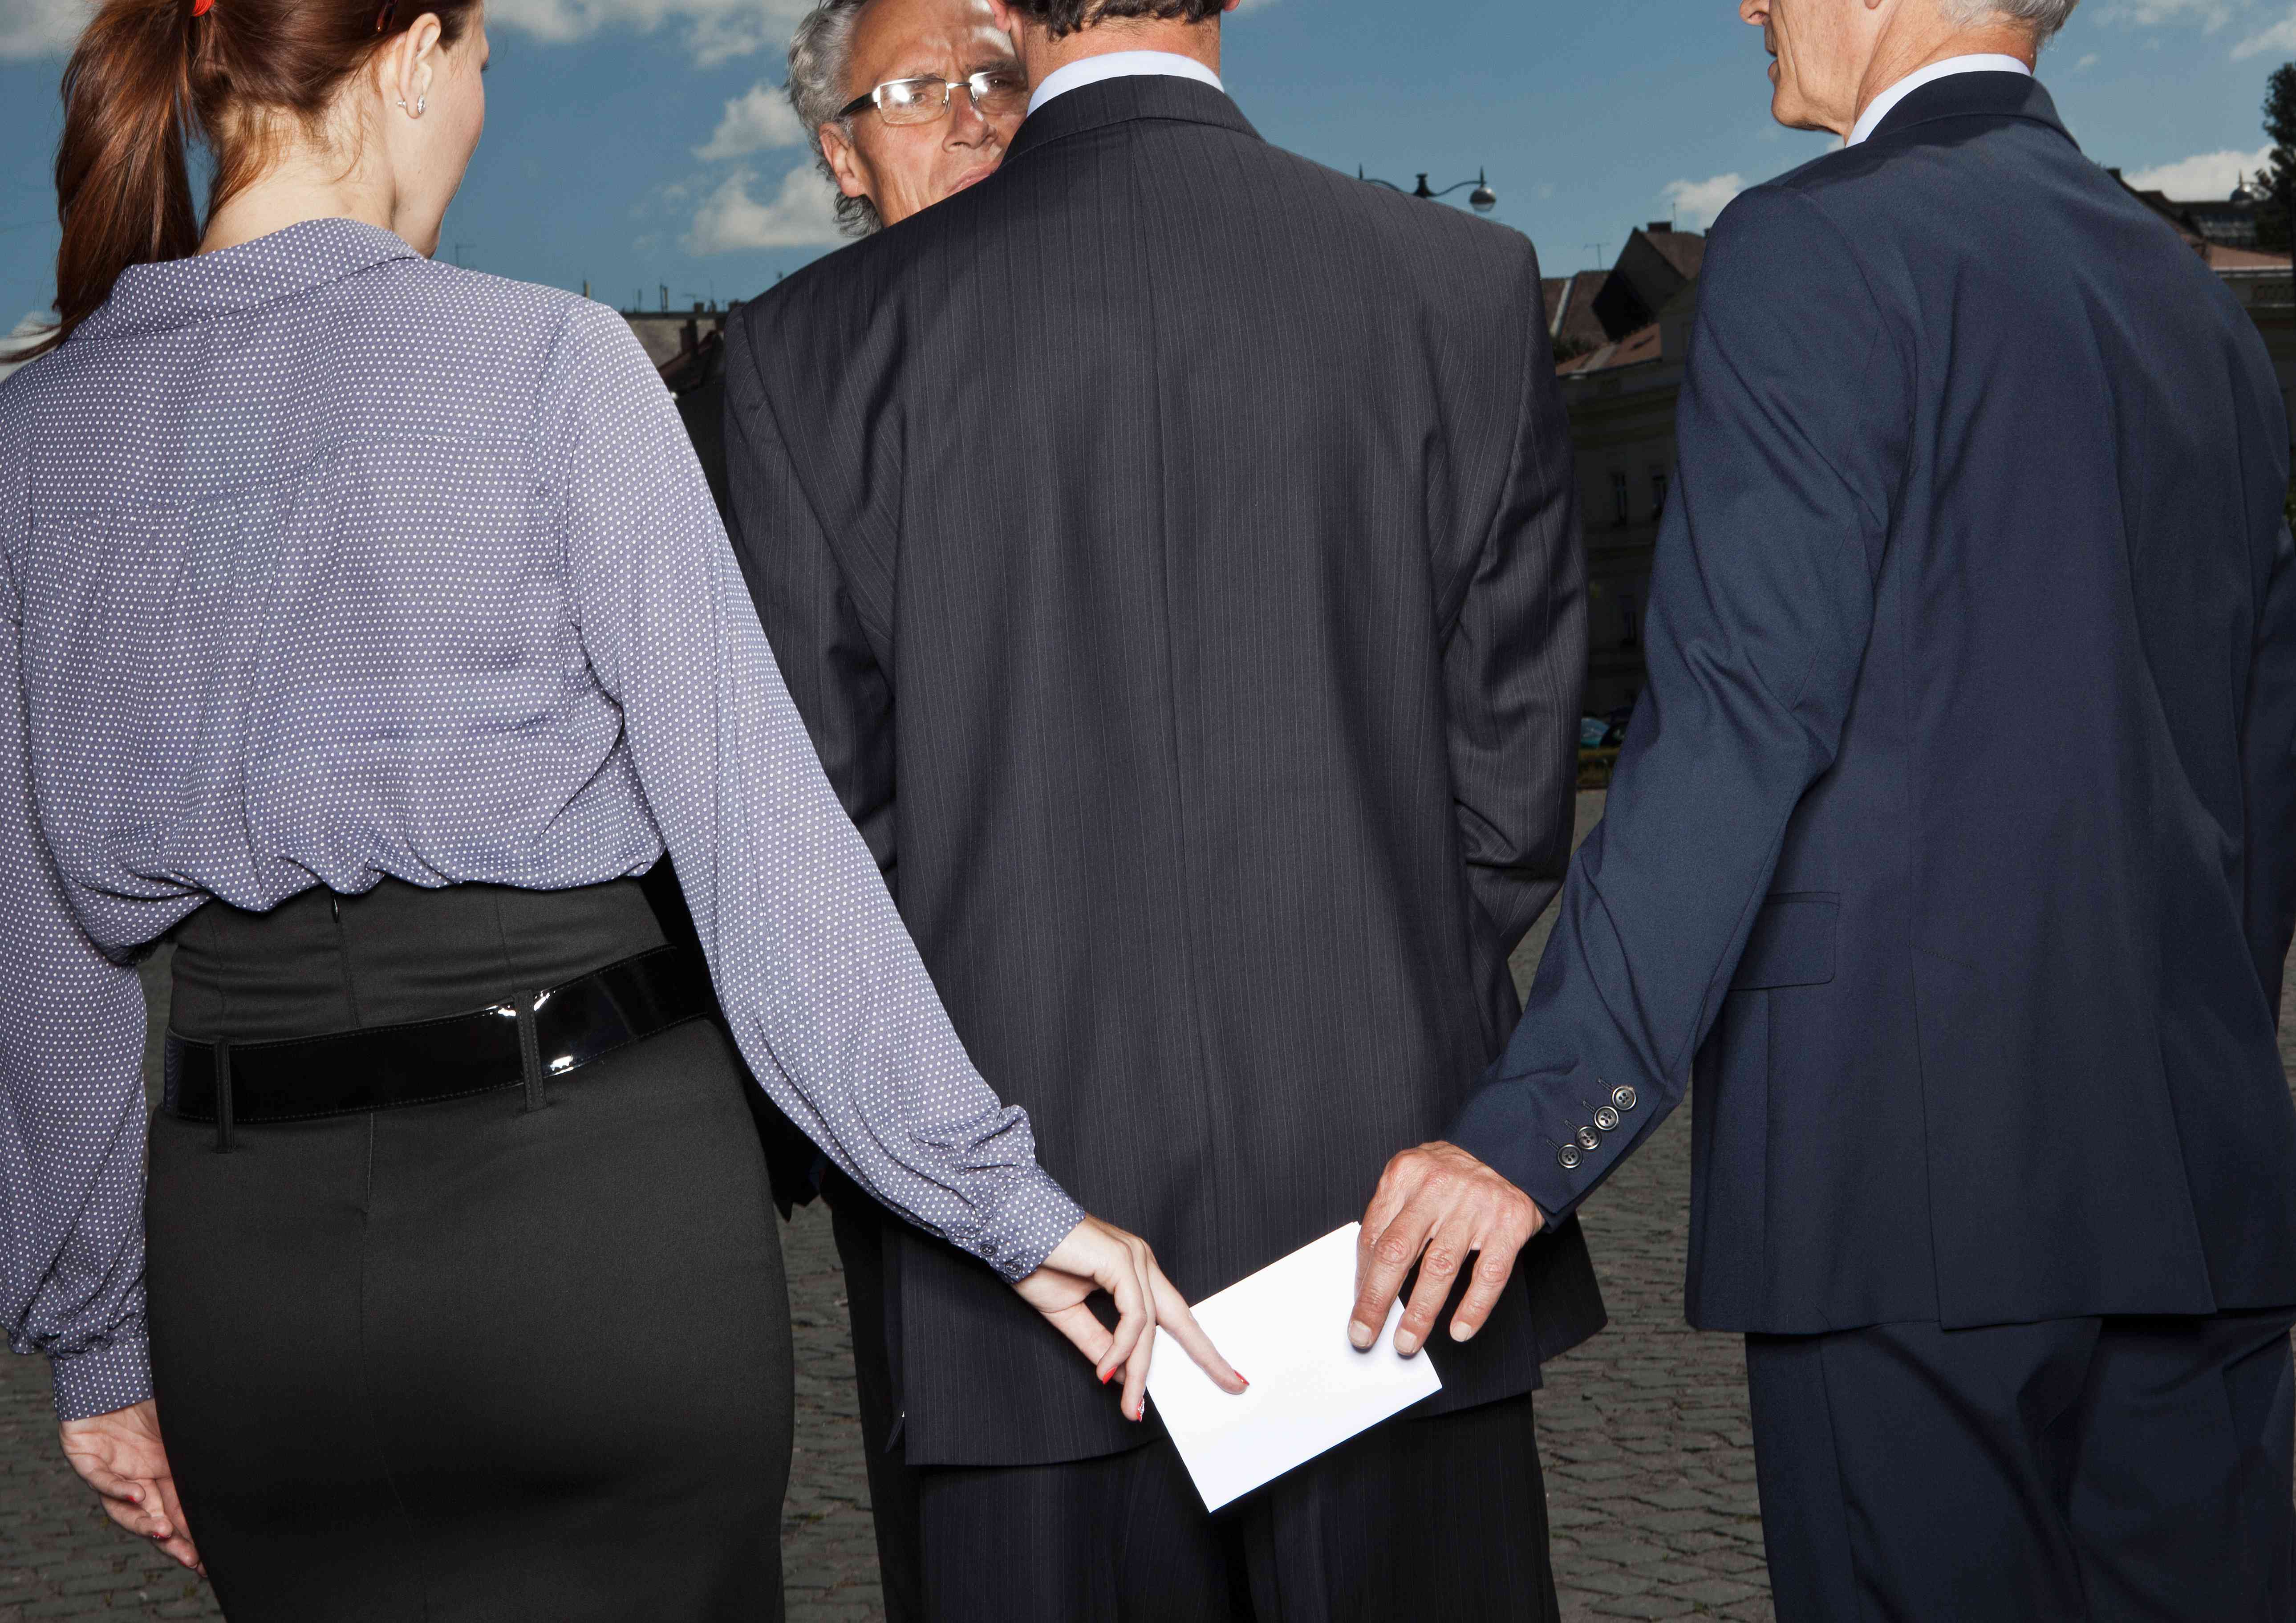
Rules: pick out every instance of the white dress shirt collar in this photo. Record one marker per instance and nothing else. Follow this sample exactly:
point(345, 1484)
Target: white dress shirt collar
point(1120, 64)
point(1884, 104)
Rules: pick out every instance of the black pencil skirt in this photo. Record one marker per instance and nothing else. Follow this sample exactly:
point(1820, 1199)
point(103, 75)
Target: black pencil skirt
point(468, 1360)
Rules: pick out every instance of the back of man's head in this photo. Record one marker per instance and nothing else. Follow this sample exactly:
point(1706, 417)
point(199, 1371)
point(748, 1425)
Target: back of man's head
point(1061, 18)
point(2043, 17)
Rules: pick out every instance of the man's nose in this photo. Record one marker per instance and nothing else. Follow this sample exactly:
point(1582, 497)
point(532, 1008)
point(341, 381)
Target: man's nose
point(966, 126)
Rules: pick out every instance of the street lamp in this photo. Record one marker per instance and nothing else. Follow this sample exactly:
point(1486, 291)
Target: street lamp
point(1482, 198)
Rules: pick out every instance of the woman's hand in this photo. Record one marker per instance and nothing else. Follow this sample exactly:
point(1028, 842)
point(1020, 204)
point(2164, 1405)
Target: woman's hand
point(1097, 1256)
point(120, 1455)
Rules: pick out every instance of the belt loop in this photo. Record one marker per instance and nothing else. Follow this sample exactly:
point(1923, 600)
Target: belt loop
point(223, 1094)
point(529, 1051)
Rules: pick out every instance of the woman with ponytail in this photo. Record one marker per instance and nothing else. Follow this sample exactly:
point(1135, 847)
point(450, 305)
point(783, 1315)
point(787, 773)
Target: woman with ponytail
point(366, 629)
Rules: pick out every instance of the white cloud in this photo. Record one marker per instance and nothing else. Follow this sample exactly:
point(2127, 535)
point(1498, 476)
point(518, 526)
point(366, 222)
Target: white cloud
point(40, 27)
point(1697, 202)
point(802, 214)
point(2202, 177)
point(754, 123)
point(2280, 37)
point(2086, 62)
point(2210, 14)
point(715, 29)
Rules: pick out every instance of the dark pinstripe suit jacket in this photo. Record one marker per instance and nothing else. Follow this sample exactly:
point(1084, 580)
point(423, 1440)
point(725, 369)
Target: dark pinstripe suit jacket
point(1171, 546)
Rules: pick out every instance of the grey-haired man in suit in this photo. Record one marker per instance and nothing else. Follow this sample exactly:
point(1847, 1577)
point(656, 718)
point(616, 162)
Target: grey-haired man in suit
point(1994, 1158)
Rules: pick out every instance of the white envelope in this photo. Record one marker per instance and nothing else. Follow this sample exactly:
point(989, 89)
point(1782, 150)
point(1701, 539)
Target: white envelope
point(1285, 1330)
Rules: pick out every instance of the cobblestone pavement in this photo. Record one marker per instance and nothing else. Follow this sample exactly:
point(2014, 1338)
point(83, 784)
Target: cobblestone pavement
point(1644, 1431)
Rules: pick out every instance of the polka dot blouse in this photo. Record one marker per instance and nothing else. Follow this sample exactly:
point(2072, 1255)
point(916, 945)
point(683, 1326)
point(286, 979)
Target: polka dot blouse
point(324, 563)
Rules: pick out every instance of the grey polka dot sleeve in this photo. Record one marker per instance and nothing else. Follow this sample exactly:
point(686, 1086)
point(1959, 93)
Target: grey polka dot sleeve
point(828, 997)
point(71, 1091)
point(324, 563)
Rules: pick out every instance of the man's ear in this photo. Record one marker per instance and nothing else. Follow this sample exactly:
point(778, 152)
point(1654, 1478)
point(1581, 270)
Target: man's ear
point(844, 161)
point(1005, 18)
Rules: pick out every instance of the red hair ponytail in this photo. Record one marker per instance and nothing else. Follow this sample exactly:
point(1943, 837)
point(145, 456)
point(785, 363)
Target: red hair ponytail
point(151, 77)
point(122, 186)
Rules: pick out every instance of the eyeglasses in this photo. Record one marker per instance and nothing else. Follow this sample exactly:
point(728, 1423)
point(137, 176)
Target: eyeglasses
point(993, 90)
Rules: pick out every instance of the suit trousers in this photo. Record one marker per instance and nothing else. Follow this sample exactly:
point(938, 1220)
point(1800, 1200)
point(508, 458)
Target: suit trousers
point(863, 1250)
point(1437, 1518)
point(2082, 1470)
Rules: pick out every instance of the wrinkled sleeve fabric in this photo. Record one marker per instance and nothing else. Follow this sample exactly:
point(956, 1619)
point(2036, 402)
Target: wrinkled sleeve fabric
point(1514, 667)
point(824, 990)
point(824, 654)
point(1794, 434)
point(72, 1084)
point(2270, 761)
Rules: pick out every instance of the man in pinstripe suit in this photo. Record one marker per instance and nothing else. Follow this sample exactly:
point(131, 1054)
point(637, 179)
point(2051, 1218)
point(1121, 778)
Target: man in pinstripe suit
point(1172, 547)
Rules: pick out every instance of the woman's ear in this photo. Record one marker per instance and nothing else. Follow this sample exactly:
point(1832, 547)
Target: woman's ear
point(414, 58)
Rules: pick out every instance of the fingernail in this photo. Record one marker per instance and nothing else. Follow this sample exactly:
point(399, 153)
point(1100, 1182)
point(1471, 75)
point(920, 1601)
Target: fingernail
point(1363, 1335)
point(1460, 1333)
point(1104, 1380)
point(1406, 1343)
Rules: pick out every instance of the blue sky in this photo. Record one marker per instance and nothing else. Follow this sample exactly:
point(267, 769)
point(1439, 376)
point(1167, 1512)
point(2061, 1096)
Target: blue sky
point(630, 143)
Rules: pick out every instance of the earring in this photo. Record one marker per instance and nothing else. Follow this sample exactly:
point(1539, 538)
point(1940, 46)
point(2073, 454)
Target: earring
point(420, 102)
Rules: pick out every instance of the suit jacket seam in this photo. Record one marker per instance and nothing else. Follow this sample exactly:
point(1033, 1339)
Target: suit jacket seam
point(1464, 579)
point(873, 623)
point(2055, 127)
point(1048, 143)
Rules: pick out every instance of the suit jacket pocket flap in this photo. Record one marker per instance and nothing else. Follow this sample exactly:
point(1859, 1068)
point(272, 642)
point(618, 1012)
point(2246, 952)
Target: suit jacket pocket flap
point(1792, 943)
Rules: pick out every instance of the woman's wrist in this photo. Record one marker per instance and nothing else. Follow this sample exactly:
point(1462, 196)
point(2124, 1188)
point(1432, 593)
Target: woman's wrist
point(1027, 1225)
point(114, 1374)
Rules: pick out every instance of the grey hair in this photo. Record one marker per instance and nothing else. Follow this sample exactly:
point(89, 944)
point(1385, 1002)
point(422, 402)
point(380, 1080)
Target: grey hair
point(2043, 17)
point(818, 56)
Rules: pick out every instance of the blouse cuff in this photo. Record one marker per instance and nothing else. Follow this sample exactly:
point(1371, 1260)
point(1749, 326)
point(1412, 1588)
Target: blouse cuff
point(115, 1375)
point(1028, 1225)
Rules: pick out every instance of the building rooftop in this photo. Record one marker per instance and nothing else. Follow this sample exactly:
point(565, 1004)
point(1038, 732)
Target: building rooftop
point(1643, 344)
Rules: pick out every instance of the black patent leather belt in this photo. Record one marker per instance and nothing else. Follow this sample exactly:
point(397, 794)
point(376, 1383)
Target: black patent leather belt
point(516, 1043)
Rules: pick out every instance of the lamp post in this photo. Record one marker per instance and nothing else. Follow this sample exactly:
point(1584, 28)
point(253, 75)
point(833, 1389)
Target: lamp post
point(1482, 198)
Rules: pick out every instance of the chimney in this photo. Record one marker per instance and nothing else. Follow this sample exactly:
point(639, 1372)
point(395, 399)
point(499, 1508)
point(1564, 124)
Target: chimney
point(1656, 226)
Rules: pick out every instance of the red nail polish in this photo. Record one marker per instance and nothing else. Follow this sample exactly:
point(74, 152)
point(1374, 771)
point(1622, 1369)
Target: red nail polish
point(1104, 1380)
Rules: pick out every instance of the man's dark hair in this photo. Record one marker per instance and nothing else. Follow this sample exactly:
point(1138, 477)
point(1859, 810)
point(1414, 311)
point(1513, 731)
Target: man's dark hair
point(1065, 17)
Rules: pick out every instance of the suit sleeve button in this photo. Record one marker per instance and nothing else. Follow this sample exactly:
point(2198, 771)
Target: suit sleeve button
point(1588, 1139)
point(1568, 1157)
point(1606, 1119)
point(1623, 1097)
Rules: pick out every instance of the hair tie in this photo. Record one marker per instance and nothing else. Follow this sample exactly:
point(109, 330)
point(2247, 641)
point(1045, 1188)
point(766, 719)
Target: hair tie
point(382, 18)
point(200, 8)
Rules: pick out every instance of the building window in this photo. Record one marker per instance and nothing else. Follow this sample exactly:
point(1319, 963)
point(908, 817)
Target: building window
point(1658, 492)
point(1619, 513)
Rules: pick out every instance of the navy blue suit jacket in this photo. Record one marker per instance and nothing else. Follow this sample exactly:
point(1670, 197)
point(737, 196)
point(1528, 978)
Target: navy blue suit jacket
point(1951, 845)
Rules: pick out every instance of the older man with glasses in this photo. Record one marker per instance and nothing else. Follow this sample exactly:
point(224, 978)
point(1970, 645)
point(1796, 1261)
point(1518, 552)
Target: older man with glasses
point(905, 103)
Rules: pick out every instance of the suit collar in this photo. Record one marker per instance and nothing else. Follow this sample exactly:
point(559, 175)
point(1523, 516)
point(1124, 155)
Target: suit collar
point(1973, 96)
point(1127, 101)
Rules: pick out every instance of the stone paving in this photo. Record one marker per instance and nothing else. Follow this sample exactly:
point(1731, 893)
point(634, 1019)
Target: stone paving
point(1644, 1432)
